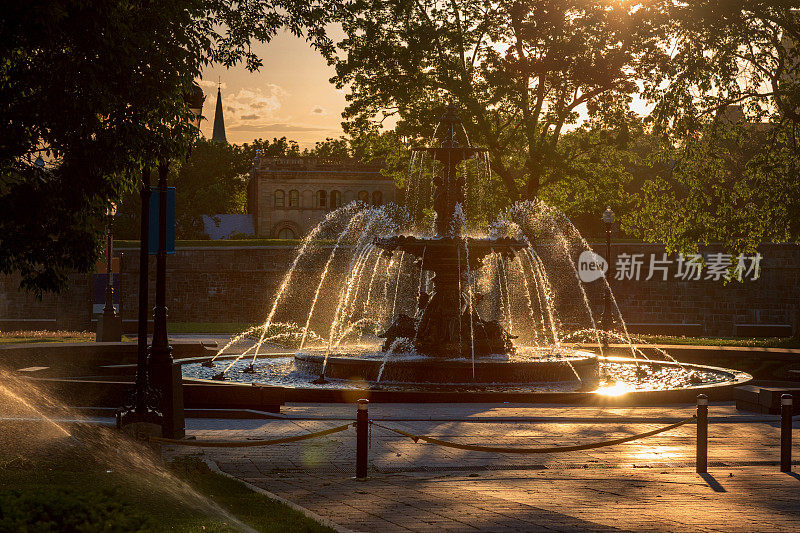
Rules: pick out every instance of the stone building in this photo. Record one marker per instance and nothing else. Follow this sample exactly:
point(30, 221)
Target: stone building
point(287, 197)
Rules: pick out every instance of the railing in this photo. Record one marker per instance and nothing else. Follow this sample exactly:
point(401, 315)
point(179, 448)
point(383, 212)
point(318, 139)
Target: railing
point(363, 423)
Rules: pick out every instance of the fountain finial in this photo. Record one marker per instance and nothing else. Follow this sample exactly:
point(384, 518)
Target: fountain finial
point(451, 113)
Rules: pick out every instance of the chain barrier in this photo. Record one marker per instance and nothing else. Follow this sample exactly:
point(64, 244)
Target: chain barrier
point(246, 444)
point(553, 449)
point(364, 425)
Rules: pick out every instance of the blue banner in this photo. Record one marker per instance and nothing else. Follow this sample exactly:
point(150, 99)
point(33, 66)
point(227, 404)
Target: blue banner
point(153, 235)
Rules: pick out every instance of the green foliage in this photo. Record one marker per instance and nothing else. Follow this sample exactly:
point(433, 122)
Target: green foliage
point(601, 165)
point(729, 102)
point(387, 148)
point(25, 337)
point(277, 148)
point(734, 184)
point(212, 181)
point(734, 52)
point(330, 149)
point(753, 342)
point(44, 510)
point(98, 89)
point(521, 71)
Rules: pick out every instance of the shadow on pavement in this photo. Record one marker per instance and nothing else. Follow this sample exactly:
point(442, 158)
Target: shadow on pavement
point(713, 483)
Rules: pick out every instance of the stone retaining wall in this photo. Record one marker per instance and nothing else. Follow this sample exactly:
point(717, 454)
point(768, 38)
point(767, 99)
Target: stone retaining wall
point(238, 284)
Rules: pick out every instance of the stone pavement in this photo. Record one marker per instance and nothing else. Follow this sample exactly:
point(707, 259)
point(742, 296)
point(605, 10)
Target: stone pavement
point(648, 484)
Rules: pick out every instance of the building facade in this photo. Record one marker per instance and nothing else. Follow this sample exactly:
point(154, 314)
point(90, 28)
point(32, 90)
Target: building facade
point(287, 197)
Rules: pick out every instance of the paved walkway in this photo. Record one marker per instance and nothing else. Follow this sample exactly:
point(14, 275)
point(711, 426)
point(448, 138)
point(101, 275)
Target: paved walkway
point(641, 485)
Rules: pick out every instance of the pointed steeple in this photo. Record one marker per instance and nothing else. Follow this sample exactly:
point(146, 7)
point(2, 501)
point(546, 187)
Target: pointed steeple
point(219, 121)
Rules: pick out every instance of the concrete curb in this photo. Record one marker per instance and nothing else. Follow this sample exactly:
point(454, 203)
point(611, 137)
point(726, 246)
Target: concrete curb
point(307, 512)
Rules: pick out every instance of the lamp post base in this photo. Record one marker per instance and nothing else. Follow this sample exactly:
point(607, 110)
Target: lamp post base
point(166, 377)
point(140, 424)
point(109, 328)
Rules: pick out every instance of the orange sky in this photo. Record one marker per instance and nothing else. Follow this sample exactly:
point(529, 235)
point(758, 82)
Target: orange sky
point(289, 96)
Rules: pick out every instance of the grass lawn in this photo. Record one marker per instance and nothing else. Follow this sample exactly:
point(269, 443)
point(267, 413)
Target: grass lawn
point(24, 337)
point(766, 342)
point(104, 481)
point(208, 243)
point(232, 328)
point(208, 328)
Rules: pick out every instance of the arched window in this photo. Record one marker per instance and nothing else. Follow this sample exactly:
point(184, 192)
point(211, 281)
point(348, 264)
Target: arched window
point(280, 198)
point(294, 199)
point(363, 196)
point(336, 199)
point(377, 198)
point(322, 199)
point(286, 233)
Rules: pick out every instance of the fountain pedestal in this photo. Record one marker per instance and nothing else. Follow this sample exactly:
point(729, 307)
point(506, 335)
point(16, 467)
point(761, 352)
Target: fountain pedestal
point(446, 323)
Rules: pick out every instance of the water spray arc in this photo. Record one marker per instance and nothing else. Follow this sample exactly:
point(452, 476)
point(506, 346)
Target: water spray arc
point(417, 295)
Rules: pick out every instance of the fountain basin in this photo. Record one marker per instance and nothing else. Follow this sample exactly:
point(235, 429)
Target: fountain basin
point(582, 367)
point(619, 384)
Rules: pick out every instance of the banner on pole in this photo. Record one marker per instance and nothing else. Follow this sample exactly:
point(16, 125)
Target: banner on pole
point(153, 235)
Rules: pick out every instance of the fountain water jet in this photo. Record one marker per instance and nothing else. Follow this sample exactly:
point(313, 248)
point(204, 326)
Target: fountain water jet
point(482, 310)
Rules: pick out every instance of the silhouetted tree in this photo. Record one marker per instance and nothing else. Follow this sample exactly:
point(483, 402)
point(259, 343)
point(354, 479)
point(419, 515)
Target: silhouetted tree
point(97, 89)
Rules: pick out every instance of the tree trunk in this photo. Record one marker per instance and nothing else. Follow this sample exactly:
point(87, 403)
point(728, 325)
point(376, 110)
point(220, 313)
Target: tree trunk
point(535, 169)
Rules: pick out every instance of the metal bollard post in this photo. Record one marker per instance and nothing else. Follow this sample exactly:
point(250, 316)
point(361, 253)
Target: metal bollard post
point(362, 436)
point(702, 434)
point(786, 433)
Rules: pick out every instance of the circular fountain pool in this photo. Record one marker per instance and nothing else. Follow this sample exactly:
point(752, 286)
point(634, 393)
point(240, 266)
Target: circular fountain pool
point(583, 373)
point(409, 368)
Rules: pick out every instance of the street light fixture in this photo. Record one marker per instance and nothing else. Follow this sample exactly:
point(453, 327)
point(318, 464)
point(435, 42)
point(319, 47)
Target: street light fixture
point(109, 327)
point(608, 220)
point(163, 403)
point(164, 374)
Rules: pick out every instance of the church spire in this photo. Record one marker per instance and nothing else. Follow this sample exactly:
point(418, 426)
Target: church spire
point(219, 121)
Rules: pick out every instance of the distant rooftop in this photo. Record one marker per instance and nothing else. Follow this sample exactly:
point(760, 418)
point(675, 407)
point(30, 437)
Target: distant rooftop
point(313, 164)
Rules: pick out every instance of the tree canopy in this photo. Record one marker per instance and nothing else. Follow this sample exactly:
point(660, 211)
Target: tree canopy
point(549, 86)
point(97, 89)
point(93, 92)
point(729, 104)
point(522, 71)
point(212, 180)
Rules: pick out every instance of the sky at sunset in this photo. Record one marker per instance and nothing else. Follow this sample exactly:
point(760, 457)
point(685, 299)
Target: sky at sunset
point(289, 96)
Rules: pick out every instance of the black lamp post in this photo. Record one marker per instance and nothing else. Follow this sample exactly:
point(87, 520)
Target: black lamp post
point(109, 308)
point(164, 373)
point(158, 393)
point(109, 327)
point(608, 220)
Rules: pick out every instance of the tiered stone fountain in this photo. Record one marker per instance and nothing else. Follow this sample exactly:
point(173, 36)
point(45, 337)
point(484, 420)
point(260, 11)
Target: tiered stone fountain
point(404, 299)
point(460, 346)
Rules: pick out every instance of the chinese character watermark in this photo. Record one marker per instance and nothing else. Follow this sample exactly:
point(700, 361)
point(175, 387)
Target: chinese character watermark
point(691, 267)
point(629, 266)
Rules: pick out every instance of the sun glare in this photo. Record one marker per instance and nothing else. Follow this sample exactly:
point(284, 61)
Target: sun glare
point(617, 389)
